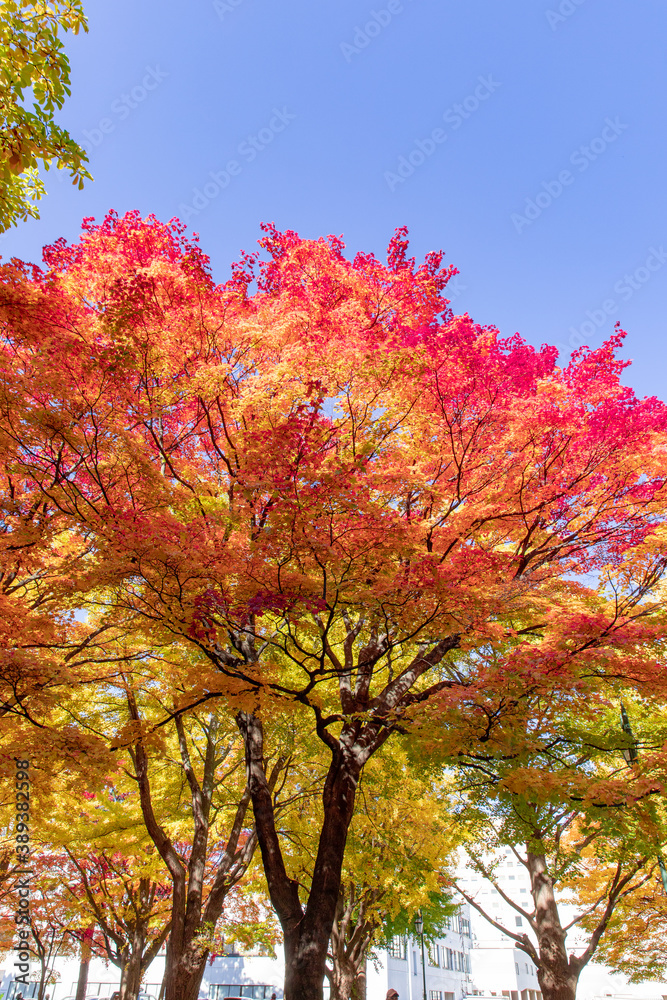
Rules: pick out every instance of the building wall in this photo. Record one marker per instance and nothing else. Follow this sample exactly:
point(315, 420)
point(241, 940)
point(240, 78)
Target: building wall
point(400, 968)
point(499, 967)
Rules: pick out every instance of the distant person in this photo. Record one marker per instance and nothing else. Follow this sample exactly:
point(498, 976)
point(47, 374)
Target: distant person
point(392, 994)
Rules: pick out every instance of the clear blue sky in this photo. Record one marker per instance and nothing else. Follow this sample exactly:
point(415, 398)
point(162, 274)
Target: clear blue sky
point(526, 138)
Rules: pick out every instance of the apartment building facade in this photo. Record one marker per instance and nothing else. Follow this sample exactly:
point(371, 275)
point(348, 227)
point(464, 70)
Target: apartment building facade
point(499, 968)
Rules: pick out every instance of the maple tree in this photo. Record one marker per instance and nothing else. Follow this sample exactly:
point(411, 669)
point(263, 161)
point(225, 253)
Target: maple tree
point(177, 797)
point(323, 487)
point(401, 839)
point(129, 908)
point(551, 782)
point(205, 863)
point(52, 926)
point(33, 59)
point(634, 942)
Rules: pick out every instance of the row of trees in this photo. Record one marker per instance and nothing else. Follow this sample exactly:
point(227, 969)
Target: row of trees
point(275, 549)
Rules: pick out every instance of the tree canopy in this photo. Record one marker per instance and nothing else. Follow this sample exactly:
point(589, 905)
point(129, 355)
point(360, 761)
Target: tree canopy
point(313, 485)
point(34, 66)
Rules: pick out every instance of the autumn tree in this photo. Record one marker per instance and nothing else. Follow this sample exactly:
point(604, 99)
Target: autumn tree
point(551, 782)
point(52, 924)
point(402, 841)
point(181, 792)
point(124, 898)
point(34, 61)
point(324, 487)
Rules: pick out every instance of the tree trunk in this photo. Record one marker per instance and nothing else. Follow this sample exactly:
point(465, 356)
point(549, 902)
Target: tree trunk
point(131, 979)
point(342, 981)
point(306, 933)
point(82, 984)
point(359, 984)
point(43, 975)
point(347, 981)
point(557, 974)
point(186, 973)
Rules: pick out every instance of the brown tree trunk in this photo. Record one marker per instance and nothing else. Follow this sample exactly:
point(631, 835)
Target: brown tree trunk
point(306, 932)
point(131, 979)
point(86, 949)
point(342, 981)
point(186, 973)
point(359, 984)
point(347, 981)
point(557, 974)
point(42, 982)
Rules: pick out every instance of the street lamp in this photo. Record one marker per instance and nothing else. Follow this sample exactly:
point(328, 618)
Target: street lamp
point(419, 927)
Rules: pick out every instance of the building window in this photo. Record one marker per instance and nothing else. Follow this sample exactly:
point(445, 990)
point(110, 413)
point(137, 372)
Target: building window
point(434, 995)
point(414, 962)
point(465, 926)
point(516, 966)
point(433, 955)
point(518, 921)
point(397, 948)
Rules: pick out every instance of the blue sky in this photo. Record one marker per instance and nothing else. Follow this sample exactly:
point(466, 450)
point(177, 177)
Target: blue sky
point(525, 138)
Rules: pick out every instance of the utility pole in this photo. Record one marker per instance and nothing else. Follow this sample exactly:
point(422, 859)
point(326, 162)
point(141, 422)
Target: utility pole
point(419, 927)
point(631, 756)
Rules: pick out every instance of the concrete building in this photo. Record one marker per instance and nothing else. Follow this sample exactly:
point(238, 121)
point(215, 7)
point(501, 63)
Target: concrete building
point(499, 968)
point(447, 967)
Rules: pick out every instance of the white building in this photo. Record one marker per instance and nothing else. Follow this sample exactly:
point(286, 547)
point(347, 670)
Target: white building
point(499, 968)
point(446, 968)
